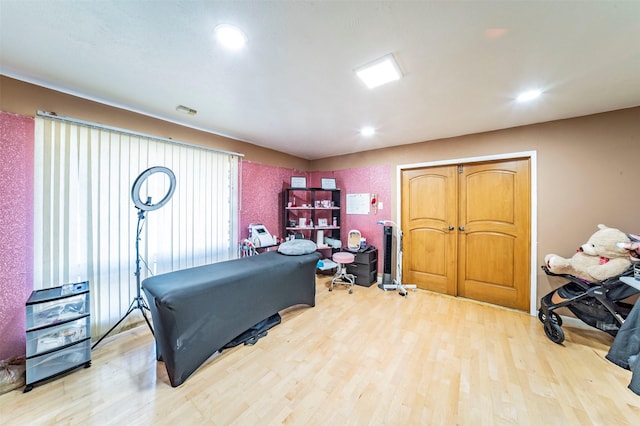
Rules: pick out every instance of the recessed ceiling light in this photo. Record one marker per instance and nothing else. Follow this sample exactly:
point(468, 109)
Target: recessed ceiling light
point(529, 95)
point(230, 36)
point(380, 71)
point(367, 131)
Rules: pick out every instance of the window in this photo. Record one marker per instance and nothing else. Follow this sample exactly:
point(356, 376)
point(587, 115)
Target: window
point(85, 219)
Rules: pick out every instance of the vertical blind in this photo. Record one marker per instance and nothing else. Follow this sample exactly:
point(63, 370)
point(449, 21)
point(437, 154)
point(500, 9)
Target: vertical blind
point(86, 223)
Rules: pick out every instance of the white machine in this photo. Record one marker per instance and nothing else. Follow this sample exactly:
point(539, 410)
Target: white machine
point(259, 235)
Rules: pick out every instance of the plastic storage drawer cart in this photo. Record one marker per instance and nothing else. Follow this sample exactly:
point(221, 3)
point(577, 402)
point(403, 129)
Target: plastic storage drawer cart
point(365, 267)
point(58, 331)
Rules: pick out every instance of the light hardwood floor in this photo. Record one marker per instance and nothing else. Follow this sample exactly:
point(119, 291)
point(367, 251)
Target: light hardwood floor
point(370, 357)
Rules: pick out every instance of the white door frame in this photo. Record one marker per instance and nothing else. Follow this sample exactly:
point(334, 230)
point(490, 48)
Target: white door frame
point(532, 155)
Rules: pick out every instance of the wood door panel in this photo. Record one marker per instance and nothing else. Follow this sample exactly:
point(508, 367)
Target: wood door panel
point(432, 261)
point(492, 251)
point(428, 266)
point(430, 187)
point(429, 210)
point(494, 248)
point(484, 292)
point(496, 205)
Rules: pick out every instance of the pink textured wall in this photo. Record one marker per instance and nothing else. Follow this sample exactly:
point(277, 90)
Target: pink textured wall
point(16, 229)
point(261, 196)
point(262, 187)
point(365, 180)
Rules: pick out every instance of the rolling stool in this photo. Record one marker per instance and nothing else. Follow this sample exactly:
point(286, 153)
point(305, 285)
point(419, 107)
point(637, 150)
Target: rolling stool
point(343, 258)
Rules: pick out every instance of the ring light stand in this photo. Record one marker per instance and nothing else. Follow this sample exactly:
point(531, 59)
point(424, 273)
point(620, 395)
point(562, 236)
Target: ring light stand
point(138, 302)
point(397, 283)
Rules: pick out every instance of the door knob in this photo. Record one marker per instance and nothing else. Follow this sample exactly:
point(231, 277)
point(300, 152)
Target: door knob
point(461, 228)
point(450, 228)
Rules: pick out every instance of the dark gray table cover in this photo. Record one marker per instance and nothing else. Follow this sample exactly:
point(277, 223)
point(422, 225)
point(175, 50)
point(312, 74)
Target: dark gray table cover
point(196, 311)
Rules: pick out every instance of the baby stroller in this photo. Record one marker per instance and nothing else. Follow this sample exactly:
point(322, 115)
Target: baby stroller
point(596, 304)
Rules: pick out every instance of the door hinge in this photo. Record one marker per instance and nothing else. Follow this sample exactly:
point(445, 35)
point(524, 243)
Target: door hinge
point(460, 168)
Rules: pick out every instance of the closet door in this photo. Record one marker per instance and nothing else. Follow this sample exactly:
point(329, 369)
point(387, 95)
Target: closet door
point(494, 233)
point(429, 223)
point(467, 230)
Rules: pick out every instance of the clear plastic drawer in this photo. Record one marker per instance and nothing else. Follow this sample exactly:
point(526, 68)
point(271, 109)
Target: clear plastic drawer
point(50, 364)
point(56, 311)
point(50, 338)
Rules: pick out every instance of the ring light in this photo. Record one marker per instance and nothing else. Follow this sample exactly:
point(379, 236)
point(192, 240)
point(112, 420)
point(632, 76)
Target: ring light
point(138, 302)
point(135, 190)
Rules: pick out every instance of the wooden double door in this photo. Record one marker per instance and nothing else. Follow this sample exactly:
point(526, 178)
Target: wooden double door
point(467, 230)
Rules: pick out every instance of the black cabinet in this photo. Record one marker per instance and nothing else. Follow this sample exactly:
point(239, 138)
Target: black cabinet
point(365, 267)
point(313, 213)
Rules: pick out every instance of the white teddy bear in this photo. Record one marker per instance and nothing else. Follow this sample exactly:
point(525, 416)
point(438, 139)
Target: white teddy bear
point(603, 256)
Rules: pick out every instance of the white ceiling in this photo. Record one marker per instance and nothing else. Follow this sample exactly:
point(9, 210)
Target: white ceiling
point(293, 88)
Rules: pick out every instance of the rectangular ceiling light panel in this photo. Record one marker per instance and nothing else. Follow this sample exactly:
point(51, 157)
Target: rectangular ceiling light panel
point(379, 72)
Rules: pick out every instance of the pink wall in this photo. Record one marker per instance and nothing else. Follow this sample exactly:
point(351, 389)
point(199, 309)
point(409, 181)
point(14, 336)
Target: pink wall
point(262, 187)
point(261, 196)
point(365, 180)
point(16, 229)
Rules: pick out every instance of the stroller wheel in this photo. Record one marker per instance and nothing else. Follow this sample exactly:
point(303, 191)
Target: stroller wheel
point(552, 316)
point(554, 332)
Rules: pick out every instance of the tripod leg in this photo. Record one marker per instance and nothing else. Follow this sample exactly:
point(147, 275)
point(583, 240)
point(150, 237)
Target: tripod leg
point(142, 305)
point(144, 314)
point(131, 308)
point(138, 302)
